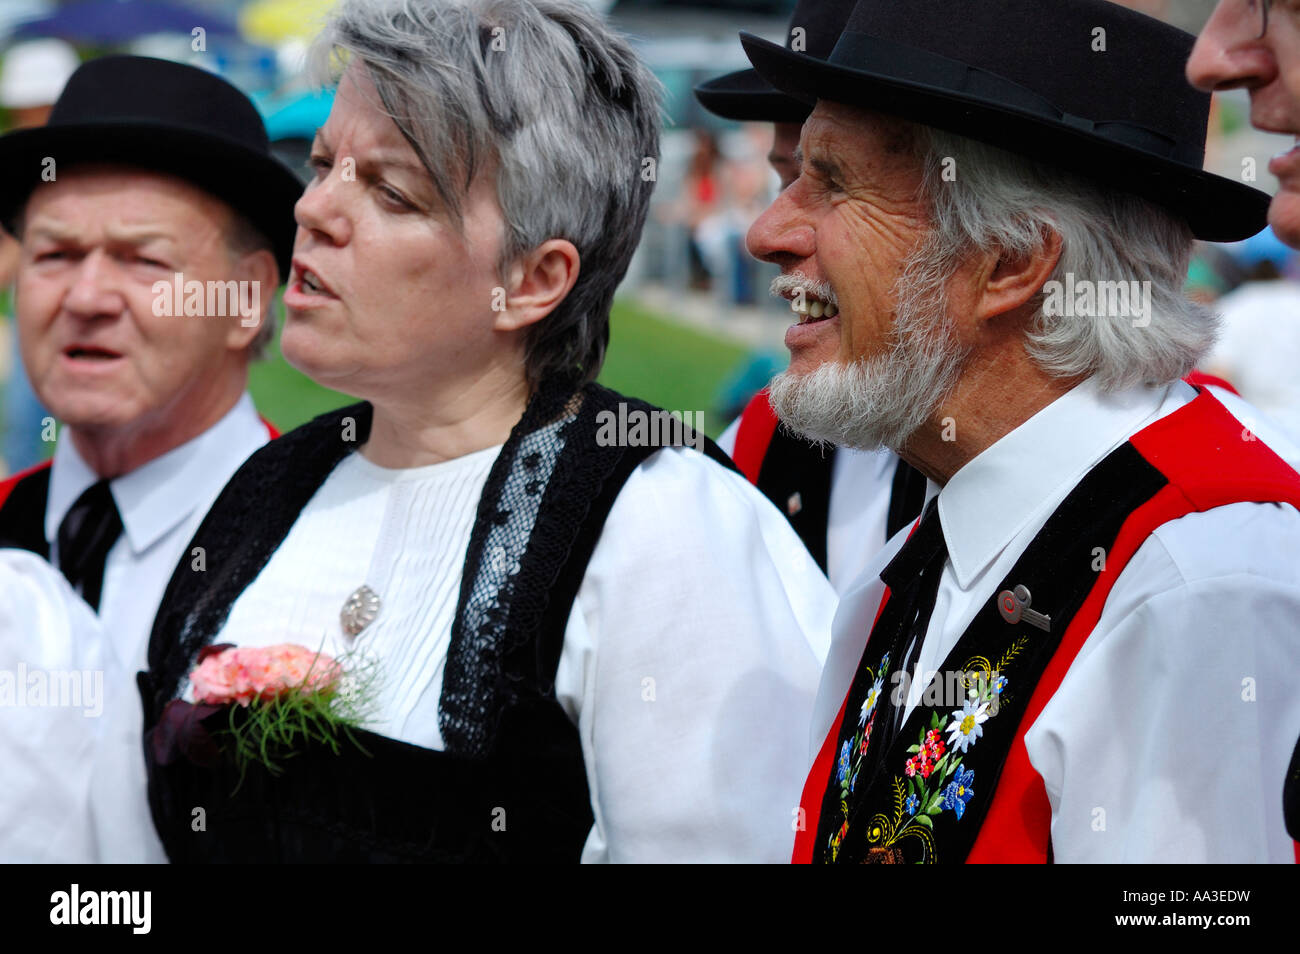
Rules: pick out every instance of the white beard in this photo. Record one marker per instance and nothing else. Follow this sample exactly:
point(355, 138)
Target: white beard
point(880, 401)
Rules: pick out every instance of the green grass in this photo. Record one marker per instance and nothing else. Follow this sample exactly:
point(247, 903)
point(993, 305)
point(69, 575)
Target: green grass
point(649, 357)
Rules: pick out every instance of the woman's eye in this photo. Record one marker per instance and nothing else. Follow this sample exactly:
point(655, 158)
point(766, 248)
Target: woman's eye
point(395, 198)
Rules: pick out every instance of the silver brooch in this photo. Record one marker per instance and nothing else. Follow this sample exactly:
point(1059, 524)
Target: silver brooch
point(359, 610)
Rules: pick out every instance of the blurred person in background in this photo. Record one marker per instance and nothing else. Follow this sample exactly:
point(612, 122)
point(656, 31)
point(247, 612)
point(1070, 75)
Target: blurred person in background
point(1255, 45)
point(1258, 349)
point(700, 200)
point(844, 503)
point(150, 256)
point(31, 79)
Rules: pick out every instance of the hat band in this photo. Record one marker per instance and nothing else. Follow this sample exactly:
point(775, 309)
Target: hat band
point(909, 64)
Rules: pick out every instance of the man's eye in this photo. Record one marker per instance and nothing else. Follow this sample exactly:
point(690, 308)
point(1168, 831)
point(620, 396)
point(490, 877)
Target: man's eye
point(319, 165)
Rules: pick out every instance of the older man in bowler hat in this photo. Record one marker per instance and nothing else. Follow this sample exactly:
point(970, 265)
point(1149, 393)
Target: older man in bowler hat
point(1255, 45)
point(844, 503)
point(155, 227)
point(1085, 649)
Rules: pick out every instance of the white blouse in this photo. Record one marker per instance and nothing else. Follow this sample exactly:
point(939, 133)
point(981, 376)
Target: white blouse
point(690, 659)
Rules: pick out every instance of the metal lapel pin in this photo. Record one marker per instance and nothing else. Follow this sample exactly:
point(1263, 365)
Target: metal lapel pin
point(1014, 607)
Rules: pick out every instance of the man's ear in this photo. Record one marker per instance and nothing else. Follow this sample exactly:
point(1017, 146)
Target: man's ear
point(262, 274)
point(538, 283)
point(1012, 279)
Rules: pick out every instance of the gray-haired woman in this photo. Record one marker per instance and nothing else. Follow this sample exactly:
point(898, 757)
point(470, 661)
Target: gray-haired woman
point(588, 646)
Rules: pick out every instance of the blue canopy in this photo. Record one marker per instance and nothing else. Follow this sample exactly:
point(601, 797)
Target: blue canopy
point(109, 22)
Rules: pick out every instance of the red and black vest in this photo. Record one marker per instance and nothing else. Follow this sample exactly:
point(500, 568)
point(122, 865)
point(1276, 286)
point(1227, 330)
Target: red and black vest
point(926, 797)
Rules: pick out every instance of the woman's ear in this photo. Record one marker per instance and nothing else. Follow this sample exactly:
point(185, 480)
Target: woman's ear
point(538, 283)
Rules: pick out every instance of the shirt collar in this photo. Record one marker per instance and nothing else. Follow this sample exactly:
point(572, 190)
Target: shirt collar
point(154, 498)
point(995, 495)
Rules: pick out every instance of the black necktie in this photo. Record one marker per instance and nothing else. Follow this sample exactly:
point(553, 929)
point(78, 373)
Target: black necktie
point(913, 579)
point(86, 534)
point(905, 498)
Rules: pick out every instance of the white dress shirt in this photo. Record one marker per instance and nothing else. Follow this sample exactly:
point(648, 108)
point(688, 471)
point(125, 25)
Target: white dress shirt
point(162, 504)
point(861, 486)
point(690, 659)
point(1169, 737)
point(51, 712)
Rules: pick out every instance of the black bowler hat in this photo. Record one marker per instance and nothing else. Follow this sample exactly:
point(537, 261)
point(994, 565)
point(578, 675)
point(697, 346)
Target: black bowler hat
point(747, 97)
point(165, 117)
point(1085, 85)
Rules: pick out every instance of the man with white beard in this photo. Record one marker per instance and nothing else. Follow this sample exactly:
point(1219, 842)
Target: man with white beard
point(1098, 611)
point(843, 502)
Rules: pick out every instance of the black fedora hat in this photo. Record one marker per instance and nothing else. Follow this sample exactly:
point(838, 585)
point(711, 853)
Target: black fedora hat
point(164, 117)
point(1085, 85)
point(745, 96)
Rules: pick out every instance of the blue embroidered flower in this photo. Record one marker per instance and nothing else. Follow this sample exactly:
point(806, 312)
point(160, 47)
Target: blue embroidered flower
point(968, 724)
point(999, 684)
point(844, 761)
point(959, 792)
point(912, 804)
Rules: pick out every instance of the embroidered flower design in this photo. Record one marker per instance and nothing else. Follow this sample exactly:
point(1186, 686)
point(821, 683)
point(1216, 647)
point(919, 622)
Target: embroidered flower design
point(959, 793)
point(866, 736)
point(921, 764)
point(869, 704)
point(968, 724)
point(999, 684)
point(934, 744)
point(844, 761)
point(912, 804)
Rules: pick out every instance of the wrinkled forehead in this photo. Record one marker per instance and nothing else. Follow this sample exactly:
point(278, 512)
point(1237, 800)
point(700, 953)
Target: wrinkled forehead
point(127, 194)
point(844, 128)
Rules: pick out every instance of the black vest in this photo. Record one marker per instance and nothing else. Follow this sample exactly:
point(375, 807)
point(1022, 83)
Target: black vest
point(22, 514)
point(511, 784)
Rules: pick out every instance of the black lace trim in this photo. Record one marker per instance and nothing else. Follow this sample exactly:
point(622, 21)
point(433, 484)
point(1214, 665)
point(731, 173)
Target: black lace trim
point(534, 524)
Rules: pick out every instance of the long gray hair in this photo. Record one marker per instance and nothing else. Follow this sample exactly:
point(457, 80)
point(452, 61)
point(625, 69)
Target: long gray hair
point(1000, 200)
point(545, 96)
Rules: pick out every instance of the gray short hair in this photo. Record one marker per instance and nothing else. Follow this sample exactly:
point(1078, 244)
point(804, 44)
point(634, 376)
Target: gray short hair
point(1001, 200)
point(542, 94)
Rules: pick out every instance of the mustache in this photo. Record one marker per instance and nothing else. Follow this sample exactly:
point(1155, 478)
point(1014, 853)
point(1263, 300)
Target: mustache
point(787, 285)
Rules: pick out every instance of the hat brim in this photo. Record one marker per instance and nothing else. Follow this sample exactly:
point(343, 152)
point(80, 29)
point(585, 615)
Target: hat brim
point(257, 186)
point(744, 96)
point(1216, 209)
